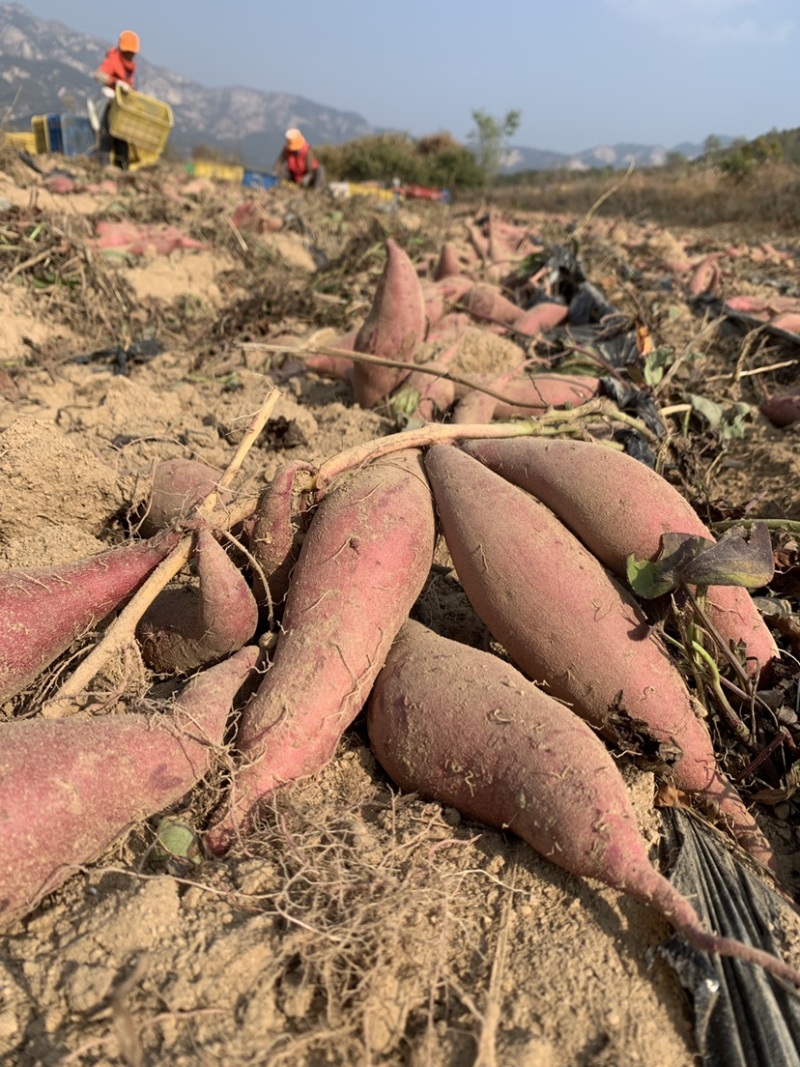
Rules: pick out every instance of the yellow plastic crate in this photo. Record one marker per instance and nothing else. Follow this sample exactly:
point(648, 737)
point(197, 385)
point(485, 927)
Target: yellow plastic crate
point(39, 131)
point(23, 140)
point(219, 172)
point(356, 189)
point(140, 120)
point(139, 157)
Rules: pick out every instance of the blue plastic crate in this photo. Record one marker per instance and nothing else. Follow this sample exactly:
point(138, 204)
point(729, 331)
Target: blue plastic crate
point(78, 137)
point(54, 139)
point(259, 179)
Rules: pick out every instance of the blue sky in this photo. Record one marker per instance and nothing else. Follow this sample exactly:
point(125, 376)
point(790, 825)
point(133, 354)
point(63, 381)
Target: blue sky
point(582, 72)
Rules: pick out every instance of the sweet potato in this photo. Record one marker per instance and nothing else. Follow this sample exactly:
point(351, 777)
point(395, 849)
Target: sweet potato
point(43, 611)
point(533, 393)
point(571, 627)
point(70, 787)
point(454, 287)
point(178, 486)
point(706, 275)
point(448, 263)
point(430, 394)
point(393, 329)
point(485, 302)
point(274, 541)
point(462, 727)
point(542, 316)
point(455, 324)
point(186, 627)
point(787, 320)
point(782, 409)
point(363, 563)
point(618, 506)
point(537, 392)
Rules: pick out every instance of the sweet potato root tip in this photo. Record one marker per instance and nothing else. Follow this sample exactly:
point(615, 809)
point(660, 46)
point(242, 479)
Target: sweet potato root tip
point(570, 626)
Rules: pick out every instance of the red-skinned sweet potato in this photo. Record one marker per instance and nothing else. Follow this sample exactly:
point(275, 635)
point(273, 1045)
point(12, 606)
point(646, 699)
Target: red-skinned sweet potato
point(274, 541)
point(394, 328)
point(448, 263)
point(782, 409)
point(186, 627)
point(70, 787)
point(571, 627)
point(619, 507)
point(537, 392)
point(43, 611)
point(485, 302)
point(464, 728)
point(542, 316)
point(364, 560)
point(178, 486)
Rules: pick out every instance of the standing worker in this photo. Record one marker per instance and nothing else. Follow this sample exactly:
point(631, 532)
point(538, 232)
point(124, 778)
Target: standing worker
point(117, 69)
point(298, 163)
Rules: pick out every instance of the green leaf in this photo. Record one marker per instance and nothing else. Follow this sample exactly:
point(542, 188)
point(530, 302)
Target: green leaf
point(740, 557)
point(655, 364)
point(646, 579)
point(711, 412)
point(176, 840)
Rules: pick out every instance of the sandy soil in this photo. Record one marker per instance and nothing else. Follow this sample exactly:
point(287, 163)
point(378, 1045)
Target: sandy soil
point(357, 925)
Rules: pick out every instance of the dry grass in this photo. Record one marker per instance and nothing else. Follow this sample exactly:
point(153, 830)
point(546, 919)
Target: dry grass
point(769, 199)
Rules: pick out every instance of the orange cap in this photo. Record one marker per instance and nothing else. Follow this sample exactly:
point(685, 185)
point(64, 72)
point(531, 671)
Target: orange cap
point(294, 140)
point(128, 41)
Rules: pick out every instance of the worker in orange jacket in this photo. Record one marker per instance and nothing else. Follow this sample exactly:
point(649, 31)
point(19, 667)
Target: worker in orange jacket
point(298, 163)
point(117, 69)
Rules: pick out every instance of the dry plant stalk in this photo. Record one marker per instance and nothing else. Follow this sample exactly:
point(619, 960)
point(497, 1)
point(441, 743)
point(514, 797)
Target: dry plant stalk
point(121, 632)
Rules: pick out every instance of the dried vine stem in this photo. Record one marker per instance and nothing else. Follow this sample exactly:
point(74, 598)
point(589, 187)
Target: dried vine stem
point(546, 423)
point(121, 632)
point(379, 361)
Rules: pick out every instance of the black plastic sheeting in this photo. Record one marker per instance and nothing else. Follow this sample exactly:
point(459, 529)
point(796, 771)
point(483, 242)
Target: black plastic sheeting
point(743, 1016)
point(121, 358)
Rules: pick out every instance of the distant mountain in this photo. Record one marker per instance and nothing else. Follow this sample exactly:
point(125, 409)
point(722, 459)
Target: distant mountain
point(617, 156)
point(46, 67)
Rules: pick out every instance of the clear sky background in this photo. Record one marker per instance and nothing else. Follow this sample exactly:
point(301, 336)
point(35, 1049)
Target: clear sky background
point(582, 72)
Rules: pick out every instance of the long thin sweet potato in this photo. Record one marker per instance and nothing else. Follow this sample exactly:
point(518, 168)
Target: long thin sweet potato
point(571, 627)
point(617, 506)
point(274, 541)
point(70, 787)
point(43, 611)
point(463, 727)
point(363, 563)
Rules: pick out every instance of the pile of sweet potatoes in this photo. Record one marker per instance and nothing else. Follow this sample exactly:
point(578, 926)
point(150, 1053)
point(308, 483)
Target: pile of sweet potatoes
point(324, 573)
